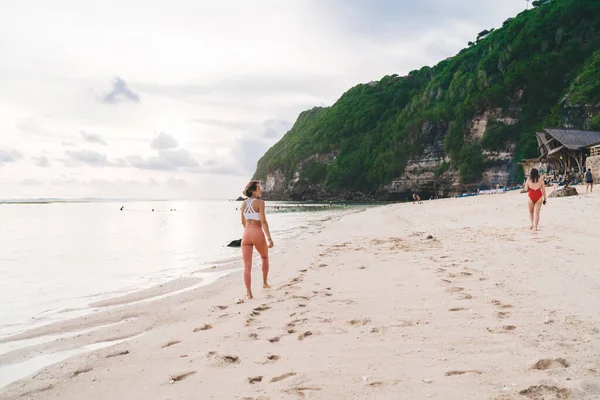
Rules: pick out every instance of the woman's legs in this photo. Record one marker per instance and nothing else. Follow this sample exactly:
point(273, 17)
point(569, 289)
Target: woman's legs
point(247, 256)
point(531, 207)
point(254, 237)
point(538, 207)
point(247, 249)
point(263, 250)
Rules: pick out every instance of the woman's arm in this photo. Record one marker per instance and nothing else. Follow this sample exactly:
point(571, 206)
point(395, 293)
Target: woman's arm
point(242, 208)
point(265, 224)
point(526, 188)
point(544, 191)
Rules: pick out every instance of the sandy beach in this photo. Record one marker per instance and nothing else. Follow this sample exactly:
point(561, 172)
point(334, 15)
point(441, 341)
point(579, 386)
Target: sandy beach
point(448, 299)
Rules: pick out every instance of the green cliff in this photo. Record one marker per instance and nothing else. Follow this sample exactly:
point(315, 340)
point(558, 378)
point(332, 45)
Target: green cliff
point(464, 122)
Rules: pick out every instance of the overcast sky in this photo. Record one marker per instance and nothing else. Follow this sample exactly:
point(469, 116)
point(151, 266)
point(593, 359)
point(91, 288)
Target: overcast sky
point(179, 98)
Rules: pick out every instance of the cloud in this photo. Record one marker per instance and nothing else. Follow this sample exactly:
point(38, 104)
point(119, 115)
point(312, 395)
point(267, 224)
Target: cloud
point(93, 138)
point(176, 183)
point(30, 182)
point(167, 160)
point(164, 141)
point(220, 123)
point(248, 148)
point(275, 128)
point(250, 87)
point(41, 161)
point(9, 156)
point(224, 168)
point(86, 157)
point(120, 92)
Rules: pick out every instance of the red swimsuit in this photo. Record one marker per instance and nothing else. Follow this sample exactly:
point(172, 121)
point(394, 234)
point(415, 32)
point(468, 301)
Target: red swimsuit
point(535, 194)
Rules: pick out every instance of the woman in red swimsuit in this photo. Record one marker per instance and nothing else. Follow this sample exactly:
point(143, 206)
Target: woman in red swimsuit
point(535, 191)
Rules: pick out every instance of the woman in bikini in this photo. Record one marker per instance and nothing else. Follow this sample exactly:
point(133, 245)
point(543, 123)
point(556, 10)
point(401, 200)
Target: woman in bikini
point(535, 191)
point(255, 229)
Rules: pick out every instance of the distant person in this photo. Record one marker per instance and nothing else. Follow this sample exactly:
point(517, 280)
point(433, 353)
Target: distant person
point(256, 229)
point(416, 198)
point(589, 180)
point(122, 208)
point(535, 191)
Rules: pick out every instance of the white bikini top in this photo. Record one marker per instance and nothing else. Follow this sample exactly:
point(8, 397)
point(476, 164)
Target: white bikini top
point(249, 212)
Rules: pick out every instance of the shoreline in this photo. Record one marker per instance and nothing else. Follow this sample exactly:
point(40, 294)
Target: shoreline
point(41, 335)
point(161, 283)
point(367, 305)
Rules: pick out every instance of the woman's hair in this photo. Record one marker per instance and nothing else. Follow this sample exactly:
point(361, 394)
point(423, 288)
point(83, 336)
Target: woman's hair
point(534, 175)
point(250, 188)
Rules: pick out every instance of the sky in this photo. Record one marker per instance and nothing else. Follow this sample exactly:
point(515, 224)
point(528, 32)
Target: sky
point(179, 99)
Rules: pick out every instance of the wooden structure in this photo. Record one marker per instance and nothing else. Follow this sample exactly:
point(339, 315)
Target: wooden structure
point(566, 149)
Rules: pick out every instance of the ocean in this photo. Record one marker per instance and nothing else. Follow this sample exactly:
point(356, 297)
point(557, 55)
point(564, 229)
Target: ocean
point(57, 258)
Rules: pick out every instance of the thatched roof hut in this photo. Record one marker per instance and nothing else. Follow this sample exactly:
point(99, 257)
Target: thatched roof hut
point(566, 148)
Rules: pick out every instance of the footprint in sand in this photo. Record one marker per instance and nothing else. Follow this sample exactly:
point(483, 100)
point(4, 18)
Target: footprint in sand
point(461, 274)
point(274, 339)
point(117, 354)
point(282, 377)
point(472, 371)
point(504, 329)
point(81, 371)
point(263, 307)
point(307, 298)
point(254, 379)
point(347, 302)
point(464, 296)
point(299, 391)
point(502, 314)
point(457, 309)
point(291, 331)
point(304, 335)
point(497, 303)
point(296, 322)
point(204, 327)
point(359, 322)
point(455, 289)
point(291, 283)
point(381, 384)
point(545, 392)
point(273, 358)
point(302, 270)
point(180, 377)
point(223, 360)
point(253, 336)
point(222, 307)
point(171, 343)
point(557, 363)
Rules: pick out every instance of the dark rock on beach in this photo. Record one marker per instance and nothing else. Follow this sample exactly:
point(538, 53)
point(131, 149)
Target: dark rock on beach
point(564, 192)
point(235, 243)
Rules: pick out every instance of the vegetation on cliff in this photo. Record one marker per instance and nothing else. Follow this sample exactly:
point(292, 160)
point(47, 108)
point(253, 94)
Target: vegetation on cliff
point(529, 69)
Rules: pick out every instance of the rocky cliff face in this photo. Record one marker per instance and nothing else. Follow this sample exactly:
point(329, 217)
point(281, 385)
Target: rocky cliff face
point(426, 174)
